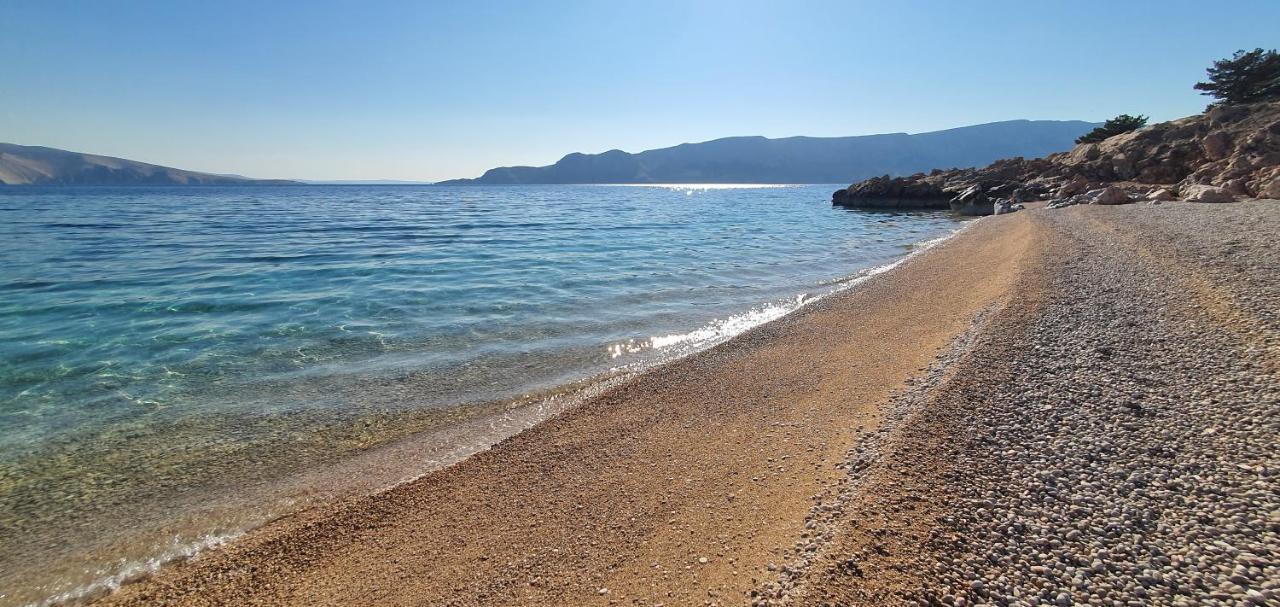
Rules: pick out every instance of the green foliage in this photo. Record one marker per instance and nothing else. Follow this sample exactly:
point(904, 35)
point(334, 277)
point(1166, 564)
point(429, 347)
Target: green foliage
point(1120, 124)
point(1244, 78)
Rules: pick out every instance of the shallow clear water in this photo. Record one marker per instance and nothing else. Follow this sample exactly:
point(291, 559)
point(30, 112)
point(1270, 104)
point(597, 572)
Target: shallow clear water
point(162, 345)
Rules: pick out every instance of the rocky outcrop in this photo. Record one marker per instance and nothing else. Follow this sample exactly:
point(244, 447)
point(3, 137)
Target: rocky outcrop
point(914, 192)
point(1233, 150)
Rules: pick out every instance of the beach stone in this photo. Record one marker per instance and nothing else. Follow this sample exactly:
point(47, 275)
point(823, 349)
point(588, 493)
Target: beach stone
point(1271, 189)
point(1109, 195)
point(974, 200)
point(1117, 449)
point(1206, 193)
point(1076, 185)
point(1238, 186)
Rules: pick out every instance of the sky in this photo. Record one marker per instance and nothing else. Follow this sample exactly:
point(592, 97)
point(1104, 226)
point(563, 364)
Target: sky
point(437, 90)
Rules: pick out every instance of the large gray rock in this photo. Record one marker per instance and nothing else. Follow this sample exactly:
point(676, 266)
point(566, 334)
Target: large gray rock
point(1077, 185)
point(1270, 189)
point(1109, 195)
point(1206, 193)
point(1003, 207)
point(1217, 145)
point(1060, 203)
point(1238, 186)
point(973, 201)
point(1162, 195)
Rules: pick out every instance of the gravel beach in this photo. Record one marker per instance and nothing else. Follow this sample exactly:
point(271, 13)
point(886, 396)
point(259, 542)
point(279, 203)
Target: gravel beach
point(1110, 438)
point(1077, 406)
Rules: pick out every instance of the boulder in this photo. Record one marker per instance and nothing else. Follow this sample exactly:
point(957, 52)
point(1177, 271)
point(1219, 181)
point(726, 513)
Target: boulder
point(1270, 189)
point(973, 201)
point(1206, 193)
point(1077, 185)
point(1059, 203)
point(1002, 207)
point(1217, 145)
point(1108, 195)
point(1123, 167)
point(1084, 153)
point(1161, 195)
point(1238, 186)
point(1243, 165)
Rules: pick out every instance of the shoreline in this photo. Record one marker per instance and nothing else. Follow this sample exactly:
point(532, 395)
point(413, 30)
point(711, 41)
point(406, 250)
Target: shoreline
point(750, 336)
point(940, 435)
point(474, 427)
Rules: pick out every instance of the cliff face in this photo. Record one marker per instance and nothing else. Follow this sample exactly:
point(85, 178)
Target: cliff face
point(35, 165)
point(800, 159)
point(1225, 153)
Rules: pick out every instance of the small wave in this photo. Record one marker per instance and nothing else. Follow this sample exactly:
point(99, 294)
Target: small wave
point(682, 187)
point(716, 331)
point(720, 330)
point(137, 570)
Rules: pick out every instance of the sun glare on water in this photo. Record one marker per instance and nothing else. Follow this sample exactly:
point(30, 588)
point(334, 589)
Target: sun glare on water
point(701, 186)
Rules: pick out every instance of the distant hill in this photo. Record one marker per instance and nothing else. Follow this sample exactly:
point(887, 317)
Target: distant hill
point(35, 165)
point(803, 159)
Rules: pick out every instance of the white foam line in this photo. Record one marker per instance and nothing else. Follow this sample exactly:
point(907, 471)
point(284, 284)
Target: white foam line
point(721, 330)
point(136, 570)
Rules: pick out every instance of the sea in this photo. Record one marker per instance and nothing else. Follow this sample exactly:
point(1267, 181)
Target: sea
point(179, 365)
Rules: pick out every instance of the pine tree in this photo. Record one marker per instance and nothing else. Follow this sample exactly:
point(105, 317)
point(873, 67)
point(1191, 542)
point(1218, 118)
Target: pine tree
point(1244, 78)
point(1120, 124)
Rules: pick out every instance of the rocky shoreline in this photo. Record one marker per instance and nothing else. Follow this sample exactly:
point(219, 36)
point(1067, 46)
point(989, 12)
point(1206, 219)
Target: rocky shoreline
point(1227, 153)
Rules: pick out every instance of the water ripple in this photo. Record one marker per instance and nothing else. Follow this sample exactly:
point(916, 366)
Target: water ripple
point(164, 342)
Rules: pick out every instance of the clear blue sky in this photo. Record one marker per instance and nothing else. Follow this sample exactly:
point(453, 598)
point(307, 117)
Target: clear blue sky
point(426, 91)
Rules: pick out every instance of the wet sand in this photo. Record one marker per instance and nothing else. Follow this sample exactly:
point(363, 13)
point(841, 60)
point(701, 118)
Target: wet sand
point(687, 485)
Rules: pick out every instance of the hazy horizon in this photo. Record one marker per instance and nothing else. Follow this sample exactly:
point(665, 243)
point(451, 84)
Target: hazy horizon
point(388, 92)
point(380, 181)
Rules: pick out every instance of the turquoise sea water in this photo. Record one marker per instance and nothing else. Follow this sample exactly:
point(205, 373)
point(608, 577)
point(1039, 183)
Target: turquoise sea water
point(163, 347)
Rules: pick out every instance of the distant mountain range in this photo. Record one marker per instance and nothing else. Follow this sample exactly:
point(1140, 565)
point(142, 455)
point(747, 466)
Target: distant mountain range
point(729, 160)
point(803, 159)
point(35, 165)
